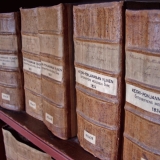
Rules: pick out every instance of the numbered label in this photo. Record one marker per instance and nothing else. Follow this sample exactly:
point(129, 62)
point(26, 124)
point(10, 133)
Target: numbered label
point(49, 118)
point(5, 96)
point(32, 104)
point(99, 82)
point(89, 137)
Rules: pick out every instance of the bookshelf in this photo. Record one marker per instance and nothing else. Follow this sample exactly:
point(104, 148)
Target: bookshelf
point(35, 130)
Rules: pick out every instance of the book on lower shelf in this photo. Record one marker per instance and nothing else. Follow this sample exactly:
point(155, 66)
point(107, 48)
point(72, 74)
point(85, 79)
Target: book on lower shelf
point(11, 74)
point(142, 108)
point(99, 69)
point(18, 147)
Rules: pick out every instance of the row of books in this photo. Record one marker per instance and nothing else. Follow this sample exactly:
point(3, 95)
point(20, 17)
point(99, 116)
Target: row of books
point(77, 75)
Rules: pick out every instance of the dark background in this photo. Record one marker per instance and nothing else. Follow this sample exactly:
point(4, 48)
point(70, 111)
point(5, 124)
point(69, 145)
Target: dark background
point(14, 5)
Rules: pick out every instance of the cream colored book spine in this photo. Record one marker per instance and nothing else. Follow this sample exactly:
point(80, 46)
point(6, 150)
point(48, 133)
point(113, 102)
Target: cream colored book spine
point(11, 75)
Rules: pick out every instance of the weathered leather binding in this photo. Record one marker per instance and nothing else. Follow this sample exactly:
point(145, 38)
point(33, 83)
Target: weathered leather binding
point(142, 120)
point(11, 75)
point(134, 151)
point(58, 80)
point(31, 62)
point(18, 147)
point(98, 64)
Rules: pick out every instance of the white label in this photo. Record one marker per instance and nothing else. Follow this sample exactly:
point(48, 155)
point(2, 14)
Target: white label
point(142, 159)
point(32, 104)
point(143, 99)
point(5, 96)
point(89, 137)
point(97, 81)
point(52, 71)
point(8, 61)
point(32, 66)
point(49, 118)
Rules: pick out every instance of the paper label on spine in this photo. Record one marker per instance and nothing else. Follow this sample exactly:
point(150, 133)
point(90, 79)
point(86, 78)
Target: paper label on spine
point(32, 66)
point(89, 137)
point(49, 118)
point(52, 71)
point(146, 100)
point(99, 82)
point(8, 61)
point(5, 96)
point(32, 104)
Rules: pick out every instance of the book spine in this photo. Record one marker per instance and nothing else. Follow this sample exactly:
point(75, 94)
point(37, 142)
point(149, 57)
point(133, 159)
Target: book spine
point(56, 63)
point(142, 87)
point(31, 62)
point(98, 64)
point(11, 76)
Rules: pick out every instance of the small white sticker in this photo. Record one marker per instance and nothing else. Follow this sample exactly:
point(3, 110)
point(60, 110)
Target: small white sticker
point(5, 96)
point(32, 104)
point(89, 137)
point(32, 66)
point(8, 61)
point(49, 118)
point(146, 100)
point(143, 159)
point(52, 71)
point(99, 82)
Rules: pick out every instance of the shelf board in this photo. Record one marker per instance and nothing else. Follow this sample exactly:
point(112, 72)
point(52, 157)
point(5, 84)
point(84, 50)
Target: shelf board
point(36, 132)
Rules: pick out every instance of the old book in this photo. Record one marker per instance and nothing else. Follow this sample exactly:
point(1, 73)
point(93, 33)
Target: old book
point(18, 147)
point(31, 62)
point(58, 90)
point(142, 121)
point(134, 151)
point(99, 69)
point(11, 75)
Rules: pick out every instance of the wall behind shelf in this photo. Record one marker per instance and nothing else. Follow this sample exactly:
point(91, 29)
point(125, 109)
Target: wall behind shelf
point(11, 6)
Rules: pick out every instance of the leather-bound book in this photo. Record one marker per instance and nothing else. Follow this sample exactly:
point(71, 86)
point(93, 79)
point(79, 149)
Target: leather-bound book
point(142, 108)
point(98, 64)
point(11, 75)
point(31, 62)
point(58, 79)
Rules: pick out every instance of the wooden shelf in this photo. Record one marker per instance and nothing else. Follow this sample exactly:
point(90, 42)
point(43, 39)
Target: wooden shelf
point(36, 132)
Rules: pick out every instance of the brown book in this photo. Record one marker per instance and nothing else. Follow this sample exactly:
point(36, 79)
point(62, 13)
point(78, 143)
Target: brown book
point(142, 118)
point(18, 147)
point(11, 75)
point(58, 89)
point(134, 151)
point(98, 65)
point(31, 62)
